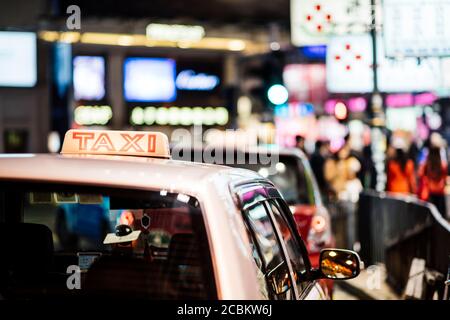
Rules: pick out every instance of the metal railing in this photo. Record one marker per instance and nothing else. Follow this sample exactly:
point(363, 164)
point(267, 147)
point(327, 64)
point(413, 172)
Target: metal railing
point(393, 229)
point(344, 223)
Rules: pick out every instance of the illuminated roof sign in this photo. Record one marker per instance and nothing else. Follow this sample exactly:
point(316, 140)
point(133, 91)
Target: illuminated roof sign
point(128, 143)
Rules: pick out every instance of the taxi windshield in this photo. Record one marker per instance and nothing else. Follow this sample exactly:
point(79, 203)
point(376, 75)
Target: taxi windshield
point(77, 241)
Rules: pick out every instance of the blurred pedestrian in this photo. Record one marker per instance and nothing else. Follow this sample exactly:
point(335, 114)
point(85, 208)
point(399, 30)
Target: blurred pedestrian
point(368, 171)
point(434, 140)
point(300, 143)
point(414, 153)
point(320, 154)
point(341, 173)
point(432, 179)
point(400, 172)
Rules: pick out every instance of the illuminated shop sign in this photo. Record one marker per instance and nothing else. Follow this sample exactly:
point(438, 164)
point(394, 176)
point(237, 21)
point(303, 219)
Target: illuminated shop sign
point(408, 100)
point(349, 68)
point(179, 116)
point(174, 32)
point(402, 118)
point(189, 80)
point(92, 115)
point(416, 28)
point(18, 59)
point(315, 52)
point(306, 82)
point(149, 79)
point(89, 78)
point(294, 109)
point(313, 22)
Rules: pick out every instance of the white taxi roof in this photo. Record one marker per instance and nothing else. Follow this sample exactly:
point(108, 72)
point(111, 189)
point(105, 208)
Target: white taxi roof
point(107, 170)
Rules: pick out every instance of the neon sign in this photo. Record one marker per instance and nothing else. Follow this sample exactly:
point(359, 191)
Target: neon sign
point(189, 80)
point(174, 32)
point(179, 116)
point(92, 115)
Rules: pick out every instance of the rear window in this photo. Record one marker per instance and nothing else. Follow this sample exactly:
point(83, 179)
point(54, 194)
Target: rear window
point(288, 174)
point(65, 241)
point(290, 178)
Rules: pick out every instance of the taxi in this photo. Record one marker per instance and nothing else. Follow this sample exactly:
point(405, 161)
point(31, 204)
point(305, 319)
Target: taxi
point(174, 229)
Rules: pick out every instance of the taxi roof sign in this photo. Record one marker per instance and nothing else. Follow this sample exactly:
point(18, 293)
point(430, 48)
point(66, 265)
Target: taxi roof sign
point(111, 142)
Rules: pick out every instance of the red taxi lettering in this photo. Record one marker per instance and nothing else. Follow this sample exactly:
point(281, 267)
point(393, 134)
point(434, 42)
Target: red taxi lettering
point(82, 138)
point(151, 142)
point(132, 142)
point(103, 141)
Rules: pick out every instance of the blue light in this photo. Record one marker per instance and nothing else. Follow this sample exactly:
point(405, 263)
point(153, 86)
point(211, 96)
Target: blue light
point(89, 78)
point(62, 70)
point(315, 52)
point(149, 80)
point(18, 59)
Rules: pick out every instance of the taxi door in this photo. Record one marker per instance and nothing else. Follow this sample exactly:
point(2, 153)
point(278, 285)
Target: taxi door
point(277, 247)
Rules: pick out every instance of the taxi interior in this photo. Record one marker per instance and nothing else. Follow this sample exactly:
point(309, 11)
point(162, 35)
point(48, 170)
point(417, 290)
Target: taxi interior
point(47, 231)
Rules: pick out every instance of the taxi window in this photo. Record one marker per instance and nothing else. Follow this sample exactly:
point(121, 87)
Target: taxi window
point(119, 243)
point(268, 253)
point(292, 247)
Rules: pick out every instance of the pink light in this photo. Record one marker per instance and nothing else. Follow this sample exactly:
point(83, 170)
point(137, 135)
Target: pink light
point(336, 144)
point(425, 98)
point(407, 99)
point(329, 106)
point(399, 100)
point(357, 104)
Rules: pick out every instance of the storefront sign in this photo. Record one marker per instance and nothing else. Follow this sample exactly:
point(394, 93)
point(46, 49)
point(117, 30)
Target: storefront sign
point(313, 22)
point(408, 100)
point(18, 59)
point(306, 83)
point(416, 28)
point(189, 80)
point(92, 115)
point(174, 32)
point(179, 116)
point(89, 78)
point(350, 70)
point(149, 79)
point(294, 110)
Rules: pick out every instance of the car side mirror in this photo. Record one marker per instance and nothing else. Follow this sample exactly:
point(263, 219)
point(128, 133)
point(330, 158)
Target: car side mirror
point(339, 264)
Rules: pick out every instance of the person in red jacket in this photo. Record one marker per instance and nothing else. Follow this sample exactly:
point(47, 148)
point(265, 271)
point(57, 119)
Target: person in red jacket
point(400, 173)
point(432, 177)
